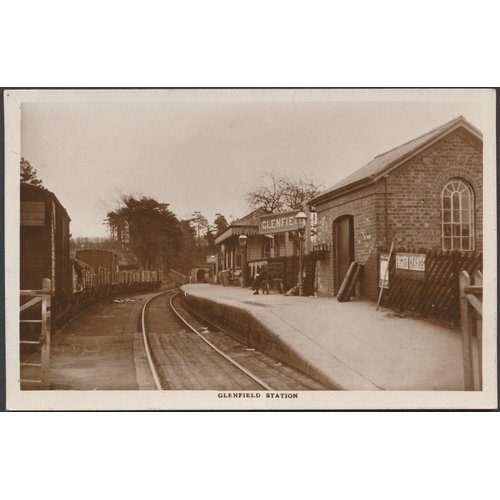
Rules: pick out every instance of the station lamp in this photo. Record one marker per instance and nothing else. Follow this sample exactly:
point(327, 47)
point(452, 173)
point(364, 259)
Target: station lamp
point(301, 223)
point(242, 239)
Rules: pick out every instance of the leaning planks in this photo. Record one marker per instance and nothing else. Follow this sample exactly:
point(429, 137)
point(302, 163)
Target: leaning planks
point(348, 286)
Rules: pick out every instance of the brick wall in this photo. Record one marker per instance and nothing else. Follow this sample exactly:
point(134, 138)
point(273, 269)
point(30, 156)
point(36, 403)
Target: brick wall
point(369, 232)
point(414, 192)
point(413, 209)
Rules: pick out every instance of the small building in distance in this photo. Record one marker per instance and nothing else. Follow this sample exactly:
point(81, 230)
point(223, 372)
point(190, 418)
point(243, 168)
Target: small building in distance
point(261, 244)
point(103, 261)
point(230, 254)
point(201, 274)
point(427, 193)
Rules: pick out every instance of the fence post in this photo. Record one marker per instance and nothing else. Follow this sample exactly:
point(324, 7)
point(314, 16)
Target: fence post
point(478, 281)
point(465, 323)
point(45, 354)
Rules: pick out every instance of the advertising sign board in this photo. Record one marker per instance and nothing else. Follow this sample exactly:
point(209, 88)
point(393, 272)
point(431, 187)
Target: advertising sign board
point(410, 265)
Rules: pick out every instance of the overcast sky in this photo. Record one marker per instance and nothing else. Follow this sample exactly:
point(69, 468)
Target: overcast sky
point(202, 151)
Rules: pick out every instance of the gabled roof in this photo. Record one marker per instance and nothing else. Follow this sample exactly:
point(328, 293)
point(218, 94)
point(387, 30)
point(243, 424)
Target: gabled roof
point(252, 219)
point(249, 225)
point(388, 161)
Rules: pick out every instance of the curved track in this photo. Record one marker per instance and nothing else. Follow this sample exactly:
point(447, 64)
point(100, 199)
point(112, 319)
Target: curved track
point(186, 354)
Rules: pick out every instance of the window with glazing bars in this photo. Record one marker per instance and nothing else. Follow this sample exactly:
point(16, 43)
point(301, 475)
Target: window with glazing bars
point(266, 249)
point(457, 216)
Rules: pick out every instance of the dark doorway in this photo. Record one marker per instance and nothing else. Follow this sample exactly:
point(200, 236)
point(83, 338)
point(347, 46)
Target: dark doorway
point(345, 246)
point(200, 276)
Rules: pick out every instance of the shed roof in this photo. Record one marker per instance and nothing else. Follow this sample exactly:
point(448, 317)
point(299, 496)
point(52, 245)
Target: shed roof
point(386, 162)
point(41, 192)
point(249, 225)
point(251, 219)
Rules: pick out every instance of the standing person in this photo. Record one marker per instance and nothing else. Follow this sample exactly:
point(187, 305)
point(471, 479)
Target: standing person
point(259, 278)
point(308, 283)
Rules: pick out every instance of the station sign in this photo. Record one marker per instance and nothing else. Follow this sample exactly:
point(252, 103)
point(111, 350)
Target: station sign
point(211, 259)
point(278, 223)
point(410, 265)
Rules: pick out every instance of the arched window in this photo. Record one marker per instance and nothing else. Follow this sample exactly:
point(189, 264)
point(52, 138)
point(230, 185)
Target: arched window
point(457, 208)
point(266, 249)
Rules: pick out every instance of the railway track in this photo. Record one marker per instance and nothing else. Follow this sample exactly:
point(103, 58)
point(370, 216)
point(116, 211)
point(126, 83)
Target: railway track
point(186, 354)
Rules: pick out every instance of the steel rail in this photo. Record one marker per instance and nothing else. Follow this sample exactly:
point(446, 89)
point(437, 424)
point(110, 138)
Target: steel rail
point(224, 355)
point(145, 340)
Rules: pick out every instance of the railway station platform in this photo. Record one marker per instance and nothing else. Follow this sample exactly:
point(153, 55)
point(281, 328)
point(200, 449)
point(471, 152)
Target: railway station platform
point(346, 346)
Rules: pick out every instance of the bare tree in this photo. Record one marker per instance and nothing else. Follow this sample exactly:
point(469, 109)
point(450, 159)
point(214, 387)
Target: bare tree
point(267, 195)
point(298, 193)
point(278, 193)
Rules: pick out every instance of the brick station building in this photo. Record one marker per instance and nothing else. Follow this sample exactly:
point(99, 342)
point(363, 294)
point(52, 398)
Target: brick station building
point(426, 193)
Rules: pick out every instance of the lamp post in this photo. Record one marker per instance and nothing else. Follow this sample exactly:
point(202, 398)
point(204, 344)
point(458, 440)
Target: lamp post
point(243, 244)
point(301, 222)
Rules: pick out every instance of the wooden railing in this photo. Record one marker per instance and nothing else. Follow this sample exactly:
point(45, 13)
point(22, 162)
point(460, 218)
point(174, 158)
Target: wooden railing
point(41, 337)
point(471, 313)
point(178, 277)
point(255, 266)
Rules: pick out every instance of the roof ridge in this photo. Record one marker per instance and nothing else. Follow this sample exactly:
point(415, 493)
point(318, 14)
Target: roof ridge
point(457, 119)
point(384, 161)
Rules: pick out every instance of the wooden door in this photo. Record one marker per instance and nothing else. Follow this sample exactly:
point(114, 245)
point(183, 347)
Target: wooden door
point(345, 246)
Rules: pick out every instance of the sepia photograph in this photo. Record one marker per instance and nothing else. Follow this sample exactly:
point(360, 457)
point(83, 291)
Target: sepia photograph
point(250, 249)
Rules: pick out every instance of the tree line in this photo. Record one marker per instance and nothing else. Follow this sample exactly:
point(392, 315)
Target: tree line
point(160, 240)
point(157, 239)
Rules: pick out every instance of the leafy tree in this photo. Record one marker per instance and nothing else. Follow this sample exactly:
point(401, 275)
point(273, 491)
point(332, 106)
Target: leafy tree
point(149, 229)
point(28, 174)
point(200, 225)
point(118, 228)
point(210, 241)
point(220, 224)
point(277, 193)
point(188, 255)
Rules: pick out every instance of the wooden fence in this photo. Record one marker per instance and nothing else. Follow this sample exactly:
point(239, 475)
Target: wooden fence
point(471, 307)
point(438, 294)
point(177, 277)
point(34, 332)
